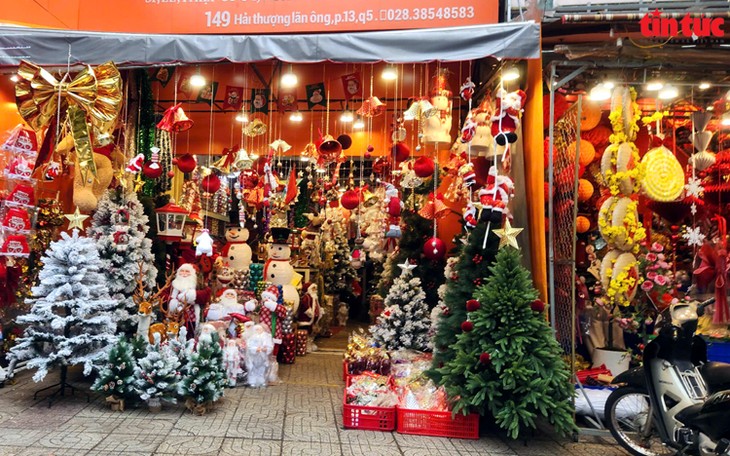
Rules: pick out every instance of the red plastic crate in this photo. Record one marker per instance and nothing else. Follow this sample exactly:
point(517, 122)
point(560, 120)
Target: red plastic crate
point(437, 424)
point(345, 373)
point(368, 418)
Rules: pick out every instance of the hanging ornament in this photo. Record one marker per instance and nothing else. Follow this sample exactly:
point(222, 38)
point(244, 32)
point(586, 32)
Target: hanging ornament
point(434, 249)
point(467, 326)
point(350, 199)
point(537, 306)
point(152, 169)
point(485, 358)
point(174, 119)
point(345, 141)
point(472, 305)
point(401, 151)
point(423, 167)
point(371, 107)
point(186, 163)
point(211, 183)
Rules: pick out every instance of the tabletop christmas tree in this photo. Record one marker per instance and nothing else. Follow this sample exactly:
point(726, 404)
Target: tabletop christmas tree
point(70, 320)
point(506, 361)
point(206, 377)
point(116, 378)
point(339, 275)
point(157, 375)
point(119, 227)
point(405, 321)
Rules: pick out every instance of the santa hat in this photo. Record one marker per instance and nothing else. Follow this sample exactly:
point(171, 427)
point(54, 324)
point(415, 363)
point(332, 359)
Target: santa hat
point(271, 290)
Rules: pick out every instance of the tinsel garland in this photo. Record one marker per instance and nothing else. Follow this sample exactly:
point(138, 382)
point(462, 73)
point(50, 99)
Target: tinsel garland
point(146, 126)
point(163, 141)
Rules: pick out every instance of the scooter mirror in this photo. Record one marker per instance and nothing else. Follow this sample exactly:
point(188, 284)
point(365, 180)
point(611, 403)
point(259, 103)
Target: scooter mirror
point(683, 312)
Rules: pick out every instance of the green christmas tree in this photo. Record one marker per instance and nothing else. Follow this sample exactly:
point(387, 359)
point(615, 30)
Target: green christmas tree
point(205, 378)
point(157, 374)
point(339, 275)
point(117, 376)
point(469, 273)
point(507, 362)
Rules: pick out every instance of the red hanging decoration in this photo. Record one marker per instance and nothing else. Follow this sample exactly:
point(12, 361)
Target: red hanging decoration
point(434, 249)
point(350, 199)
point(210, 183)
point(423, 167)
point(186, 163)
point(467, 326)
point(472, 305)
point(537, 306)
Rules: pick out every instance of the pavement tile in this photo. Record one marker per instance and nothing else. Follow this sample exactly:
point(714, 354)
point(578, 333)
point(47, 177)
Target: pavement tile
point(214, 423)
point(143, 426)
point(418, 441)
point(190, 445)
point(310, 449)
point(36, 451)
point(102, 425)
point(245, 447)
point(313, 434)
point(375, 438)
point(12, 450)
point(70, 440)
point(485, 444)
point(134, 443)
point(19, 437)
point(365, 449)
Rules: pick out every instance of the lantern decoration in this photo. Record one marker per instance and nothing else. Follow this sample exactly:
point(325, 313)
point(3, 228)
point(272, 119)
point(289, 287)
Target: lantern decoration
point(590, 116)
point(423, 167)
point(582, 224)
point(585, 190)
point(170, 222)
point(587, 152)
point(434, 249)
point(663, 175)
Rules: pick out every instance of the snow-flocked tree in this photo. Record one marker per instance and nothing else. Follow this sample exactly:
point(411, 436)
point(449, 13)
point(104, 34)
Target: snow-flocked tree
point(206, 377)
point(116, 377)
point(157, 374)
point(119, 227)
point(70, 320)
point(405, 321)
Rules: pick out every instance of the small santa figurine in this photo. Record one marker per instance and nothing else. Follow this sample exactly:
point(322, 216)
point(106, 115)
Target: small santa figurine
point(227, 309)
point(232, 361)
point(183, 295)
point(259, 347)
point(272, 313)
point(309, 311)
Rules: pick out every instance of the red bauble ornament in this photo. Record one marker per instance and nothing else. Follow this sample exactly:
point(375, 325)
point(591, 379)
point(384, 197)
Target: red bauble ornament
point(210, 183)
point(423, 167)
point(371, 149)
point(434, 249)
point(350, 199)
point(485, 358)
point(472, 305)
point(174, 161)
point(537, 306)
point(401, 151)
point(467, 326)
point(171, 174)
point(367, 155)
point(152, 170)
point(186, 163)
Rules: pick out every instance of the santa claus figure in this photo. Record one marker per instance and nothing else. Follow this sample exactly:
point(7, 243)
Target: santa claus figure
point(506, 119)
point(259, 347)
point(183, 295)
point(232, 361)
point(272, 313)
point(309, 309)
point(228, 311)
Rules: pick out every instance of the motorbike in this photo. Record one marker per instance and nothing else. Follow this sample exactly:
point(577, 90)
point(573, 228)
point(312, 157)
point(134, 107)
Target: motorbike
point(677, 402)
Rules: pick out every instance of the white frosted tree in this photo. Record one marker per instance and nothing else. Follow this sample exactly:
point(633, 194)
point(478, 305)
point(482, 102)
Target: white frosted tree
point(71, 318)
point(119, 227)
point(157, 374)
point(405, 322)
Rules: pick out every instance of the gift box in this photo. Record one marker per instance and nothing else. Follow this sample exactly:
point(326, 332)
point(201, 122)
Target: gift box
point(287, 350)
point(302, 337)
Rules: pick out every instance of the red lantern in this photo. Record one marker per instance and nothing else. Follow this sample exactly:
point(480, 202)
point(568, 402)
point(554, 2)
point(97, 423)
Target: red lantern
point(186, 163)
point(350, 199)
point(152, 170)
point(423, 167)
point(472, 305)
point(434, 249)
point(467, 326)
point(210, 183)
point(537, 306)
point(401, 151)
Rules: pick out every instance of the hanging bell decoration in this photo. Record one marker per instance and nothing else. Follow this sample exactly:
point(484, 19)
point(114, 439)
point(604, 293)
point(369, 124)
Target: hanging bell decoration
point(371, 107)
point(175, 120)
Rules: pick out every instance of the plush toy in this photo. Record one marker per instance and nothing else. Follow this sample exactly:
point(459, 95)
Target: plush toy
point(259, 347)
point(232, 361)
point(236, 251)
point(204, 244)
point(309, 247)
point(86, 195)
point(393, 204)
point(506, 119)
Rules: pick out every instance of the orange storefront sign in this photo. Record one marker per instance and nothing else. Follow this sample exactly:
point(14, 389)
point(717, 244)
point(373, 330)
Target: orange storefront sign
point(247, 16)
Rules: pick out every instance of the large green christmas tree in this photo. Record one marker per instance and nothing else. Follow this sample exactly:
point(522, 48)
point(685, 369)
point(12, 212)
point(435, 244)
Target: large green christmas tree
point(469, 273)
point(507, 362)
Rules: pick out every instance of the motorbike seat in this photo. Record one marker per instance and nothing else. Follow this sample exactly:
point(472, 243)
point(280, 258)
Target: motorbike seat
point(716, 375)
point(687, 415)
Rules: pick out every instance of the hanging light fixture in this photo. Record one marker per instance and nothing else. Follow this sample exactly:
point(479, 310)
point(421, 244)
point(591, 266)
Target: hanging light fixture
point(725, 120)
point(347, 116)
point(609, 84)
point(668, 92)
point(304, 158)
point(296, 116)
point(14, 78)
point(389, 73)
point(243, 118)
point(289, 79)
point(654, 85)
point(704, 85)
point(510, 73)
point(359, 124)
point(600, 92)
point(197, 80)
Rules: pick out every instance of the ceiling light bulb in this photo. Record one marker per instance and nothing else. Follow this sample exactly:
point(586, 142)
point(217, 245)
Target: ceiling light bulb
point(510, 74)
point(389, 73)
point(289, 80)
point(704, 85)
point(653, 86)
point(304, 158)
point(609, 85)
point(600, 93)
point(296, 116)
point(197, 80)
point(725, 120)
point(321, 170)
point(668, 93)
point(359, 124)
point(242, 118)
point(347, 116)
point(14, 78)
point(710, 108)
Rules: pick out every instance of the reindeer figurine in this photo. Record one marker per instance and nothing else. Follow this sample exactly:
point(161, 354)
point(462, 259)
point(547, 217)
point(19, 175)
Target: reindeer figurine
point(146, 305)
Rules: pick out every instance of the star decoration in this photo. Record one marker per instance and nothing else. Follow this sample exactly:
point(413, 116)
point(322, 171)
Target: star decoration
point(406, 267)
point(694, 237)
point(694, 187)
point(76, 220)
point(508, 235)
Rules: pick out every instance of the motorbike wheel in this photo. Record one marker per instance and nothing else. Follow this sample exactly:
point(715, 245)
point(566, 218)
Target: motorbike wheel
point(628, 416)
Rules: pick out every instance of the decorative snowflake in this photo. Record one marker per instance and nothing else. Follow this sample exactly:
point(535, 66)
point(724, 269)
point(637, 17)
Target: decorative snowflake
point(693, 236)
point(694, 187)
point(693, 208)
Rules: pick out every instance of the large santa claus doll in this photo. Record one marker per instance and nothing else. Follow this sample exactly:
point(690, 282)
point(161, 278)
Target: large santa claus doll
point(272, 314)
point(184, 296)
point(309, 311)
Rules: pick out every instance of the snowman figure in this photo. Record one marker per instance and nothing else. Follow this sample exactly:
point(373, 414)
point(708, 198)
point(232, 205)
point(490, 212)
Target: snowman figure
point(278, 269)
point(237, 253)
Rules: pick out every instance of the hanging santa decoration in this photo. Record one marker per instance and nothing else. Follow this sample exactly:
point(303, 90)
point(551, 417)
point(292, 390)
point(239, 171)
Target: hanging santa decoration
point(152, 169)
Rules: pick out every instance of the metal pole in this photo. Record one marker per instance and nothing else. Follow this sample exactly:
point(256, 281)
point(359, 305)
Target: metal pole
point(551, 185)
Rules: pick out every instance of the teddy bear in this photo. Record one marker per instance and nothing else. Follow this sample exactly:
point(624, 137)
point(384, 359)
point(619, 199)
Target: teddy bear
point(506, 118)
point(87, 193)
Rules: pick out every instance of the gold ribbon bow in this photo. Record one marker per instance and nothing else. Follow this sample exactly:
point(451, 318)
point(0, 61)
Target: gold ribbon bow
point(97, 91)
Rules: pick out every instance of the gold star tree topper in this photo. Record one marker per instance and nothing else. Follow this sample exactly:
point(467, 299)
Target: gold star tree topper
point(76, 220)
point(508, 235)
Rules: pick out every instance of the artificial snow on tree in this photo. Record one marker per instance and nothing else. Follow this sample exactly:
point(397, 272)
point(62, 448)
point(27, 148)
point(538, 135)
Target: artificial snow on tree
point(339, 274)
point(157, 375)
point(465, 276)
point(70, 320)
point(405, 321)
point(119, 227)
point(206, 376)
point(509, 364)
point(182, 347)
point(116, 378)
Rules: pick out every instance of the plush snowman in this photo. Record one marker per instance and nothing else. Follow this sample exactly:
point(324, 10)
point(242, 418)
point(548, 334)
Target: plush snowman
point(437, 128)
point(237, 253)
point(278, 269)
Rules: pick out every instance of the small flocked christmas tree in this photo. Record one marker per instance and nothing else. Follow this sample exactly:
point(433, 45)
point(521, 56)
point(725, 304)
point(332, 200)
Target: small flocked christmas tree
point(507, 362)
point(405, 321)
point(70, 320)
point(206, 377)
point(157, 374)
point(339, 274)
point(182, 347)
point(119, 227)
point(116, 378)
point(468, 273)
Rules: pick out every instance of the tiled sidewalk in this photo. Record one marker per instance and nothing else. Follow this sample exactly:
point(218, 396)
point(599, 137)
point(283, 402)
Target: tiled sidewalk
point(303, 416)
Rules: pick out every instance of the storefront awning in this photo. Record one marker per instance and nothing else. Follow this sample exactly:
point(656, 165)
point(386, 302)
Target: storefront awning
point(517, 40)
